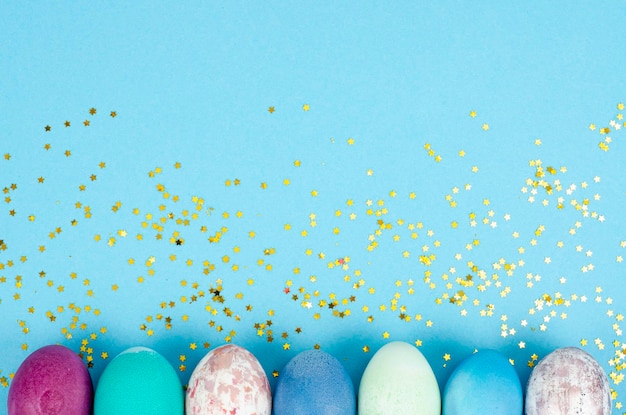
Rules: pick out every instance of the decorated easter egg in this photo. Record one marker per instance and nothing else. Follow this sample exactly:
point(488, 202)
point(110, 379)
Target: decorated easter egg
point(314, 383)
point(229, 380)
point(399, 380)
point(53, 380)
point(568, 381)
point(139, 381)
point(484, 383)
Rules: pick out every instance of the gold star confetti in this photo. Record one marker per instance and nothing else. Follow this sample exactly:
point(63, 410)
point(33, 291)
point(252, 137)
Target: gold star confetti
point(318, 262)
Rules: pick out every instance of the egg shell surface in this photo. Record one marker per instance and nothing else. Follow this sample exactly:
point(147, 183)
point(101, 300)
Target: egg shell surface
point(312, 383)
point(139, 381)
point(399, 380)
point(568, 381)
point(229, 380)
point(483, 383)
point(52, 380)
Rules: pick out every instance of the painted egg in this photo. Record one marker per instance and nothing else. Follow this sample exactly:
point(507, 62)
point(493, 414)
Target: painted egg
point(399, 380)
point(139, 381)
point(568, 381)
point(229, 380)
point(314, 383)
point(53, 380)
point(484, 383)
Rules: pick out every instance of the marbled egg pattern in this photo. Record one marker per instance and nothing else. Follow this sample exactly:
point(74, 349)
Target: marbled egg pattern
point(229, 380)
point(568, 381)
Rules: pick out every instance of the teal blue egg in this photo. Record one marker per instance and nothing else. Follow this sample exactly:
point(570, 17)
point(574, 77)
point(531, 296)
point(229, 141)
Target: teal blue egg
point(484, 383)
point(139, 381)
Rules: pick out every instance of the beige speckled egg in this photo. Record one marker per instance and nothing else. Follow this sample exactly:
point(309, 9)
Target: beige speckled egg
point(568, 381)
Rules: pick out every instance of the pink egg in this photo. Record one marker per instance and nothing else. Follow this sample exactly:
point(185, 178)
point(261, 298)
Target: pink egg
point(53, 380)
point(228, 380)
point(568, 381)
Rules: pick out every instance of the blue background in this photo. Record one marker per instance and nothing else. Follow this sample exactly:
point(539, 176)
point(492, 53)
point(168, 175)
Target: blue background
point(193, 84)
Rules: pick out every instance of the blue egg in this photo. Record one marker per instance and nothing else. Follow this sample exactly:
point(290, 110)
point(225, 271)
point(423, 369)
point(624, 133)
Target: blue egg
point(484, 383)
point(314, 383)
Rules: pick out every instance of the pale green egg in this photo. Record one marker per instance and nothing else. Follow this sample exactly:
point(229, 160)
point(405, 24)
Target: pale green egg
point(139, 381)
point(399, 380)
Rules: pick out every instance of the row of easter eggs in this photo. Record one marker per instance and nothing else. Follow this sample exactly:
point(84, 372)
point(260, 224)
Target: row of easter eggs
point(230, 380)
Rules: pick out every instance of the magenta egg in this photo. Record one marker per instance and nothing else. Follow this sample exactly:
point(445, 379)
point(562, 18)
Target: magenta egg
point(53, 380)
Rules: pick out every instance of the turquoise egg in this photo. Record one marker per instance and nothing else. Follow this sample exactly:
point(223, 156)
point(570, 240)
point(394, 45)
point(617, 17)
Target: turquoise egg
point(312, 383)
point(484, 383)
point(139, 381)
point(399, 380)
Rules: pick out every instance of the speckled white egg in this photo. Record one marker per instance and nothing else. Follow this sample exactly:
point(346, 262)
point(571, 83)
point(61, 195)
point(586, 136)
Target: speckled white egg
point(568, 381)
point(228, 380)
